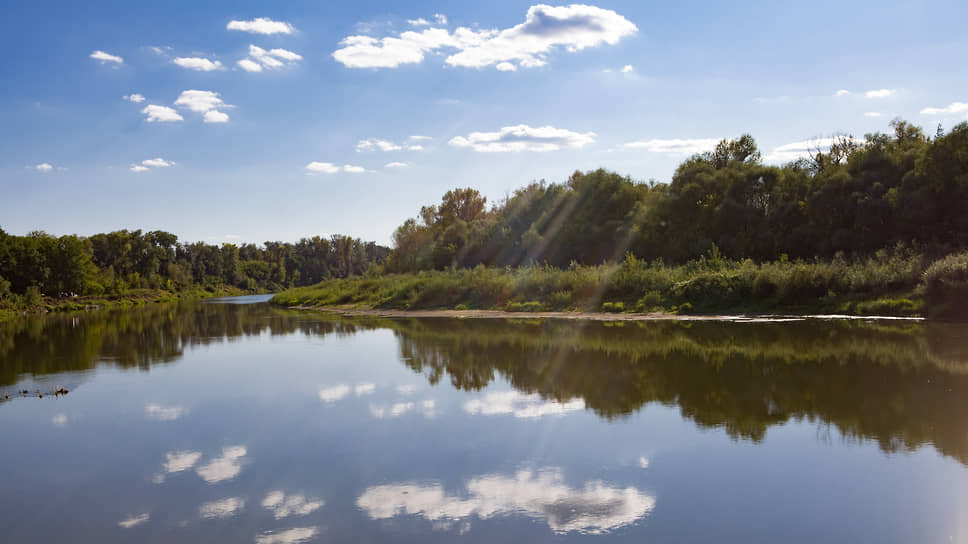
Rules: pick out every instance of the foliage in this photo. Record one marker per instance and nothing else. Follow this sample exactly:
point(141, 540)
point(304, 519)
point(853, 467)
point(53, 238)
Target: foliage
point(40, 265)
point(857, 197)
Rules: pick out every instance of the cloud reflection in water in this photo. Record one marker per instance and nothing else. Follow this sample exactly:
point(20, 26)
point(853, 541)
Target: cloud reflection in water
point(595, 509)
point(520, 405)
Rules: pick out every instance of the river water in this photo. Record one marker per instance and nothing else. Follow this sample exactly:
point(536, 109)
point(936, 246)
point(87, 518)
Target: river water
point(238, 422)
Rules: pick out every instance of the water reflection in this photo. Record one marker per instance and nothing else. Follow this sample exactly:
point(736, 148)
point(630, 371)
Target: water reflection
point(224, 467)
point(290, 536)
point(901, 384)
point(133, 521)
point(224, 508)
point(595, 508)
point(283, 506)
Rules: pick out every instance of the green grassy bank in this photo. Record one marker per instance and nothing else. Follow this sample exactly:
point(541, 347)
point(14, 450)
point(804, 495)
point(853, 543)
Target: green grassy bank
point(33, 303)
point(884, 284)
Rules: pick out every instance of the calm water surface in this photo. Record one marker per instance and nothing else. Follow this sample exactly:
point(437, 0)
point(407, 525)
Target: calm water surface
point(222, 422)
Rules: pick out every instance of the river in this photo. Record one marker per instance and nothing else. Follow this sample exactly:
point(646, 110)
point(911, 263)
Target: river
point(233, 421)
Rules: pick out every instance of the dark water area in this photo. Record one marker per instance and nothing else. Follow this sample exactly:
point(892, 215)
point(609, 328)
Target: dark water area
point(232, 421)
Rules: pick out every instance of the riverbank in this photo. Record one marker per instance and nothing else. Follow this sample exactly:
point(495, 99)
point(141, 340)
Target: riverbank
point(883, 285)
point(351, 311)
point(132, 298)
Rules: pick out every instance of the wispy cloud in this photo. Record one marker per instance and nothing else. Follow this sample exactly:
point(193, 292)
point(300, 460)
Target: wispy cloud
point(224, 467)
point(872, 114)
point(260, 58)
point(675, 145)
point(842, 92)
point(880, 93)
point(524, 138)
point(802, 149)
point(44, 167)
point(134, 97)
point(197, 63)
point(396, 164)
point(528, 44)
point(133, 521)
point(954, 107)
point(106, 57)
point(261, 25)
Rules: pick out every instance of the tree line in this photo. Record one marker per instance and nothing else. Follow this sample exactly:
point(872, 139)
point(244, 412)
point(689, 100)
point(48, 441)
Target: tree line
point(854, 198)
point(113, 263)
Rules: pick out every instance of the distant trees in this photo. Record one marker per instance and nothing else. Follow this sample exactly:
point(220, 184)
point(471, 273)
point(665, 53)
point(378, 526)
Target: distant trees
point(854, 198)
point(117, 261)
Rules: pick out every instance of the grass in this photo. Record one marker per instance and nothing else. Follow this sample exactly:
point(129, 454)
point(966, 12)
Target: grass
point(10, 309)
point(885, 284)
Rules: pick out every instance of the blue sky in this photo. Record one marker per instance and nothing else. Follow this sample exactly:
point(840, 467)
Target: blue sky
point(361, 112)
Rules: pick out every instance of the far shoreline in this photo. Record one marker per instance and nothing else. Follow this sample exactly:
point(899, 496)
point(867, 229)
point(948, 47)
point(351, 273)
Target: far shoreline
point(588, 316)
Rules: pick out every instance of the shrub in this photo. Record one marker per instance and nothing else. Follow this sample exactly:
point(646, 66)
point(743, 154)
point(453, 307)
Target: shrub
point(945, 287)
point(615, 307)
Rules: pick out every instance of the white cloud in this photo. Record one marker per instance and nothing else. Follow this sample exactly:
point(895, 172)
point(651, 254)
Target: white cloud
point(215, 116)
point(316, 167)
point(954, 107)
point(249, 65)
point(364, 389)
point(197, 63)
point(523, 138)
point(506, 67)
point(261, 25)
point(59, 420)
point(134, 97)
point(419, 137)
point(225, 467)
point(597, 508)
point(138, 168)
point(282, 506)
point(643, 462)
point(199, 101)
point(545, 28)
point(133, 521)
point(440, 18)
point(396, 164)
point(418, 22)
point(157, 411)
point(382, 145)
point(842, 92)
point(627, 69)
point(872, 114)
point(801, 150)
point(161, 114)
point(406, 389)
point(106, 57)
point(415, 147)
point(337, 392)
point(296, 535)
point(520, 405)
point(274, 58)
point(177, 461)
point(880, 93)
point(675, 145)
point(158, 162)
point(321, 168)
point(44, 167)
point(224, 508)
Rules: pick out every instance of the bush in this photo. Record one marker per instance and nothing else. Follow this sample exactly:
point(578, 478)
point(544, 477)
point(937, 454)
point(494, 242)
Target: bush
point(945, 287)
point(615, 307)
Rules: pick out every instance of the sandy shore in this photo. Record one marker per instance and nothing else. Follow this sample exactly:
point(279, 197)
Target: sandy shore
point(592, 316)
